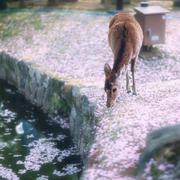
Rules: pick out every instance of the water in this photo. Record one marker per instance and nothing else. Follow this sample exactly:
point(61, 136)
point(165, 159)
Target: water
point(32, 145)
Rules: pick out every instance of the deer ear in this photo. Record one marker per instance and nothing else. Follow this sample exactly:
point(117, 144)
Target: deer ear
point(107, 69)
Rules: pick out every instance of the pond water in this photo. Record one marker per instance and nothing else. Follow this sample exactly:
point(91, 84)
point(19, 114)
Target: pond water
point(33, 146)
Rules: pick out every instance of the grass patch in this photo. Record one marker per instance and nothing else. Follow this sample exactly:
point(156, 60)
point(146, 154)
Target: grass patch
point(7, 33)
point(14, 22)
point(7, 27)
point(36, 22)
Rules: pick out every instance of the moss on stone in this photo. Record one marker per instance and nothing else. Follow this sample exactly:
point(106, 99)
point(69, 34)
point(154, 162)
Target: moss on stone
point(57, 103)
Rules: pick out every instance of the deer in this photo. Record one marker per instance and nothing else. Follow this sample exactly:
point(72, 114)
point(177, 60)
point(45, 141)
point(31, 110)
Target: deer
point(125, 40)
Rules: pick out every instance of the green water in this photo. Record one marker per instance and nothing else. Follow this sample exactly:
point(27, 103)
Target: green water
point(33, 146)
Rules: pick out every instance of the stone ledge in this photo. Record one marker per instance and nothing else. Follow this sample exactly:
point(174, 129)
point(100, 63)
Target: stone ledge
point(52, 95)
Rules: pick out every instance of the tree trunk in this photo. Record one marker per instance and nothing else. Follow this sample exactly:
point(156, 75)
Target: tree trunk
point(3, 4)
point(177, 3)
point(51, 2)
point(119, 4)
point(21, 4)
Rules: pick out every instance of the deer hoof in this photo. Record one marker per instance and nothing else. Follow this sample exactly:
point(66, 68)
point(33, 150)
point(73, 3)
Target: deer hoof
point(128, 91)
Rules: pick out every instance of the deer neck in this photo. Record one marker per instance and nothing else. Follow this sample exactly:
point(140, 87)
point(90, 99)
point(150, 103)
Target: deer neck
point(116, 70)
point(114, 76)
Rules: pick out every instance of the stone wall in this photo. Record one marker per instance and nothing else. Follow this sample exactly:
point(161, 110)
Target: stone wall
point(53, 95)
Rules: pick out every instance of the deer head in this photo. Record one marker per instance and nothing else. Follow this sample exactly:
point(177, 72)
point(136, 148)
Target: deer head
point(110, 86)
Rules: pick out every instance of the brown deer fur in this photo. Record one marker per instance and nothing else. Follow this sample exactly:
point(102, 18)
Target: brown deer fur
point(125, 39)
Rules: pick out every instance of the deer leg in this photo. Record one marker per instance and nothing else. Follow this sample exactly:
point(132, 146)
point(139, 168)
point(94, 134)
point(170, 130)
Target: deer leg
point(133, 78)
point(127, 81)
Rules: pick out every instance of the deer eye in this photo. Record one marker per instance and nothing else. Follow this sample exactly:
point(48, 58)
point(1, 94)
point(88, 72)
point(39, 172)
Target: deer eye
point(114, 90)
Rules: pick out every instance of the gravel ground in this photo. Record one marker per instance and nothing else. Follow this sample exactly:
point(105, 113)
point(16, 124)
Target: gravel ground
point(74, 46)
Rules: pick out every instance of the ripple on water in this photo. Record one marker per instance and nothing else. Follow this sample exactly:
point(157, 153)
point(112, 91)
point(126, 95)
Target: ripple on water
point(32, 145)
